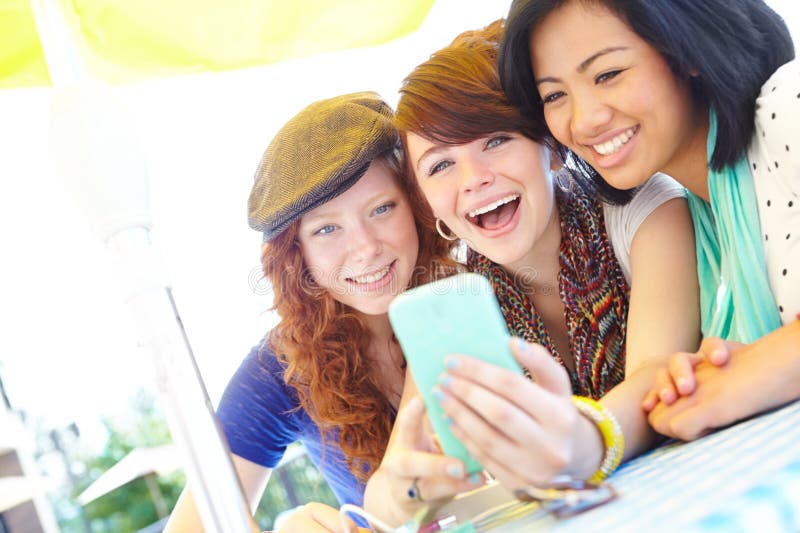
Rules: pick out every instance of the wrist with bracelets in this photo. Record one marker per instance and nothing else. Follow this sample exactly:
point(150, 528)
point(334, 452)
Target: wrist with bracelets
point(609, 428)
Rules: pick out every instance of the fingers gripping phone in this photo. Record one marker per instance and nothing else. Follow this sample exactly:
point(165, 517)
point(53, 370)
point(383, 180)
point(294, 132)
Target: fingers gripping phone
point(455, 315)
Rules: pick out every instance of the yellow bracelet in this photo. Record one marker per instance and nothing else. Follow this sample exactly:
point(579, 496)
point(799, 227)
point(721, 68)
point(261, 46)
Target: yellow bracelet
point(613, 439)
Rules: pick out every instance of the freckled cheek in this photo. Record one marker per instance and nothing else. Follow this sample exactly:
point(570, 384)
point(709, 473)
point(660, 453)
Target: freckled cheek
point(317, 274)
point(323, 269)
point(409, 230)
point(403, 234)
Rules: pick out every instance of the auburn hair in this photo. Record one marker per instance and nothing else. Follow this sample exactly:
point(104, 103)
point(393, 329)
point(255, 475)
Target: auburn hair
point(456, 97)
point(323, 344)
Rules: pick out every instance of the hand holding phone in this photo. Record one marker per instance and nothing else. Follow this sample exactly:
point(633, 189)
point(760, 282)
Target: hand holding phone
point(454, 315)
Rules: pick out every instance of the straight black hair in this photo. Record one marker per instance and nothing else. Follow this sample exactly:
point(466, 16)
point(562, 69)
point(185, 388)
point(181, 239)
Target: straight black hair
point(734, 46)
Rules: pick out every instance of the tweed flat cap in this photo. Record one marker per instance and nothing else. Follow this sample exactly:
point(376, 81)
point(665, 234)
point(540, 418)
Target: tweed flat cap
point(316, 156)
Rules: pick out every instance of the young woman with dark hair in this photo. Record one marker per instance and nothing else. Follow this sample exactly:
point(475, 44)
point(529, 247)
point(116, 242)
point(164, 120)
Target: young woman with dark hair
point(706, 92)
point(340, 242)
point(592, 287)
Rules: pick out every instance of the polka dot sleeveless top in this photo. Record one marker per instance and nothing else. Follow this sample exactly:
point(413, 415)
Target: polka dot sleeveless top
point(774, 156)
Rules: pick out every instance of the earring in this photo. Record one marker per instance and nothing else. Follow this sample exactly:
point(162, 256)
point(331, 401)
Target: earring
point(563, 179)
point(444, 235)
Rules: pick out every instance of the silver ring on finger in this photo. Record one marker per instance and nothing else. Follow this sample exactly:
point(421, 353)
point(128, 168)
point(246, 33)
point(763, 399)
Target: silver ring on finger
point(413, 491)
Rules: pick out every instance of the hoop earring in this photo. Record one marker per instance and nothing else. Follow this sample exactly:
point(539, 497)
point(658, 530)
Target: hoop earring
point(563, 179)
point(444, 235)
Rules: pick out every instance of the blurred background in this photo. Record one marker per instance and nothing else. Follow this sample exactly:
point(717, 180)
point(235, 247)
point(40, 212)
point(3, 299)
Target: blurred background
point(77, 403)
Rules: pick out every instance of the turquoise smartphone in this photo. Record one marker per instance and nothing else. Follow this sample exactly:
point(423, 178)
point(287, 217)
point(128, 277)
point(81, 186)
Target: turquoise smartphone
point(459, 314)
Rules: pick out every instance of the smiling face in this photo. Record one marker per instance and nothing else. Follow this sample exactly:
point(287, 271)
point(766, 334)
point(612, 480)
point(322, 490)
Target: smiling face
point(362, 246)
point(494, 192)
point(612, 98)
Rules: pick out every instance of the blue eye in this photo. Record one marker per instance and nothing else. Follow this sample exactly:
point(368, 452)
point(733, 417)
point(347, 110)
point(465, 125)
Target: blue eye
point(438, 167)
point(496, 141)
point(325, 230)
point(385, 208)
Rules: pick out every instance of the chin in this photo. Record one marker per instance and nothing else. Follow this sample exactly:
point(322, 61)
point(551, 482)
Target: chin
point(502, 257)
point(378, 306)
point(626, 181)
point(369, 311)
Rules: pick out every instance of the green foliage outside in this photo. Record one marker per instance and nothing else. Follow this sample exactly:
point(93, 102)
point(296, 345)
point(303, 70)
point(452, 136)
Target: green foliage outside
point(130, 508)
point(303, 479)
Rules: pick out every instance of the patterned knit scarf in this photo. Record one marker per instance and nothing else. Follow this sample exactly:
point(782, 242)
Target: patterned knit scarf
point(593, 289)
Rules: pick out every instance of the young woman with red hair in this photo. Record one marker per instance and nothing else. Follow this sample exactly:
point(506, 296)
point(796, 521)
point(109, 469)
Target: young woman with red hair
point(340, 242)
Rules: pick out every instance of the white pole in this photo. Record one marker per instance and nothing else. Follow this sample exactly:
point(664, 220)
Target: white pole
point(61, 50)
point(94, 146)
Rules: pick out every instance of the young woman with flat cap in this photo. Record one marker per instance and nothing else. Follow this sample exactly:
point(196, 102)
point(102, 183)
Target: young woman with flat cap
point(340, 242)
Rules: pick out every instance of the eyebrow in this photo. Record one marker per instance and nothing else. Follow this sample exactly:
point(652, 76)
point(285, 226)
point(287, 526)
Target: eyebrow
point(430, 152)
point(311, 219)
point(586, 63)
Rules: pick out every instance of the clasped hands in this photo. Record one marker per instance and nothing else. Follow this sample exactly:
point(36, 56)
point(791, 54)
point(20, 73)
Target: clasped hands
point(721, 383)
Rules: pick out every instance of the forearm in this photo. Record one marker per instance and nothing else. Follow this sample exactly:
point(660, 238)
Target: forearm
point(377, 494)
point(184, 517)
point(625, 401)
point(780, 353)
point(253, 478)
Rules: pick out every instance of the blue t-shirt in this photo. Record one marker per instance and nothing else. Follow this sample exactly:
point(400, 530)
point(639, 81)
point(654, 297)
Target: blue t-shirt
point(261, 415)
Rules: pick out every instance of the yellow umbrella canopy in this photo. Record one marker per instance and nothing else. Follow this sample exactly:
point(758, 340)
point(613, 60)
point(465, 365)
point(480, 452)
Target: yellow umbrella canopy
point(128, 40)
point(21, 57)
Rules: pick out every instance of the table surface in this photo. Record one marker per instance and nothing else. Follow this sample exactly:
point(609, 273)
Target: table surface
point(743, 478)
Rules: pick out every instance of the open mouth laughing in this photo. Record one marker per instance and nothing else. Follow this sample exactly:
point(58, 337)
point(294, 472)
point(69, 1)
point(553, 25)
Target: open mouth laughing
point(496, 214)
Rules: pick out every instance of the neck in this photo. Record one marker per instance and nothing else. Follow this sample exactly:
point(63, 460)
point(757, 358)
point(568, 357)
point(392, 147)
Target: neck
point(539, 267)
point(378, 325)
point(381, 335)
point(690, 167)
point(387, 370)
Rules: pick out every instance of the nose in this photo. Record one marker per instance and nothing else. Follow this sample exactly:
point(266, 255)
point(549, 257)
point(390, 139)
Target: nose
point(590, 116)
point(365, 242)
point(475, 174)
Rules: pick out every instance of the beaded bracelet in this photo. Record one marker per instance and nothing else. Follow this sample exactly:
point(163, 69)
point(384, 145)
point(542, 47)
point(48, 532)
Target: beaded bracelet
point(613, 439)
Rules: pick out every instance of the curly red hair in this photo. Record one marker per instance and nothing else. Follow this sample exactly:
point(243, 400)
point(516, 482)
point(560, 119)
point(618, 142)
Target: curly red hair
point(323, 344)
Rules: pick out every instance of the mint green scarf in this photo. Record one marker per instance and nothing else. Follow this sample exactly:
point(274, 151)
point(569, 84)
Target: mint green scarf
point(735, 298)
